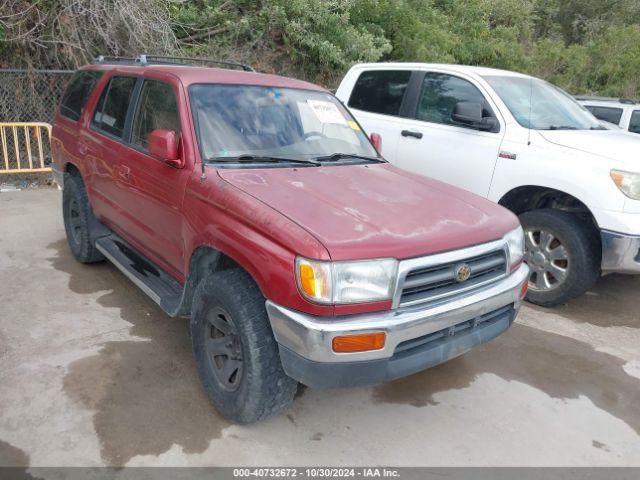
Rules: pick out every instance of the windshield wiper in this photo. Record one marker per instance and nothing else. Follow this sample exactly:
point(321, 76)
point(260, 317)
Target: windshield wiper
point(561, 127)
point(335, 157)
point(248, 158)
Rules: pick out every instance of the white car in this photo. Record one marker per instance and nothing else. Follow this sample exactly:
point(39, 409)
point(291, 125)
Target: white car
point(523, 143)
point(621, 112)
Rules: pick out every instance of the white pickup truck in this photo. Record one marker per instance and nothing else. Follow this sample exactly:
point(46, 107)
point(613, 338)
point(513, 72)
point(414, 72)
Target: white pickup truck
point(523, 143)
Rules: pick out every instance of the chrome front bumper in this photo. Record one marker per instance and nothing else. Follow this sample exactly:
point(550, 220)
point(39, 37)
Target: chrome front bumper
point(310, 337)
point(620, 253)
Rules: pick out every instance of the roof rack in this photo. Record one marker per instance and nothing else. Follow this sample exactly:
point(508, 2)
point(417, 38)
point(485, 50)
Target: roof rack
point(626, 101)
point(144, 59)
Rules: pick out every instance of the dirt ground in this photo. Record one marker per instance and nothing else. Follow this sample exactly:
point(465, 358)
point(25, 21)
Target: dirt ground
point(93, 373)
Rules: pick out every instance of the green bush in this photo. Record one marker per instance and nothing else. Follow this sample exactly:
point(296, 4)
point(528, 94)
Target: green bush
point(585, 46)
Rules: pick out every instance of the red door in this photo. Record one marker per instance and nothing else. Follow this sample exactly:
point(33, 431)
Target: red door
point(100, 146)
point(153, 191)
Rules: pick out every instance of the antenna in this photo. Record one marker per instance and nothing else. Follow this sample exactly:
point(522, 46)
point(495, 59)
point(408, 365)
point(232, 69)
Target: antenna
point(530, 109)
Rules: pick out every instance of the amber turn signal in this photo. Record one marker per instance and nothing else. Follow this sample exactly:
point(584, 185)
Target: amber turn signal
point(308, 280)
point(359, 343)
point(523, 289)
point(617, 177)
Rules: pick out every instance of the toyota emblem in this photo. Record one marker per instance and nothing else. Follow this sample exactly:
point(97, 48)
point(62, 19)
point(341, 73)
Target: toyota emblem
point(463, 272)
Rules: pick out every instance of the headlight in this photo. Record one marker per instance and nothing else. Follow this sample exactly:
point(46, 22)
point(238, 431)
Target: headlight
point(515, 242)
point(346, 282)
point(627, 182)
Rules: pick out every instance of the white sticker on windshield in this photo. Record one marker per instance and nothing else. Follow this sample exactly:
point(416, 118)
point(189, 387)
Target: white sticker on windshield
point(327, 112)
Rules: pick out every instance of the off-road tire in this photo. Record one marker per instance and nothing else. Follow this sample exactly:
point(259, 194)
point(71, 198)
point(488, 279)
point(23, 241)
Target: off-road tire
point(582, 243)
point(77, 216)
point(263, 389)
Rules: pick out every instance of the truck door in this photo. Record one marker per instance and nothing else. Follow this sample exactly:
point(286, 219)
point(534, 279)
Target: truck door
point(101, 147)
point(434, 144)
point(153, 190)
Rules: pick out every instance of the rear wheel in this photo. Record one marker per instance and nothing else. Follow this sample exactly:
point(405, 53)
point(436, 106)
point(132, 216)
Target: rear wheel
point(76, 213)
point(563, 253)
point(237, 355)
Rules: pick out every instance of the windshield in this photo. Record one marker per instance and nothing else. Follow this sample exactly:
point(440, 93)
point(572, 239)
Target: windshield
point(235, 121)
point(539, 105)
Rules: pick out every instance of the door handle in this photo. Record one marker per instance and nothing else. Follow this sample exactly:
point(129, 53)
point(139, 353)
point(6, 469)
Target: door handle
point(411, 133)
point(124, 172)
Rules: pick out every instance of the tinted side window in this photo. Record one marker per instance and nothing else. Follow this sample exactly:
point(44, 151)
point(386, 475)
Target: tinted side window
point(380, 91)
point(608, 114)
point(77, 93)
point(111, 111)
point(157, 108)
point(440, 94)
point(634, 125)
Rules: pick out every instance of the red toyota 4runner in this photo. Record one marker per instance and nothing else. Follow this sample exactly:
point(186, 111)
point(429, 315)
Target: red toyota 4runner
point(256, 205)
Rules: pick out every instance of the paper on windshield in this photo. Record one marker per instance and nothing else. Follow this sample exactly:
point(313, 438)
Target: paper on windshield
point(327, 112)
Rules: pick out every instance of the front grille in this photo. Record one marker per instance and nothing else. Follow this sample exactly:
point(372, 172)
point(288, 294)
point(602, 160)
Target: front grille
point(427, 284)
point(409, 347)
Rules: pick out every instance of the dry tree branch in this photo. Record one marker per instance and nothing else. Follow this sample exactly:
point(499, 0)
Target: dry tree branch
point(68, 33)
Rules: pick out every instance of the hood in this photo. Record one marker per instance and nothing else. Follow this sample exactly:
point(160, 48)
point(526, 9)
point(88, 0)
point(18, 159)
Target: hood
point(612, 144)
point(375, 211)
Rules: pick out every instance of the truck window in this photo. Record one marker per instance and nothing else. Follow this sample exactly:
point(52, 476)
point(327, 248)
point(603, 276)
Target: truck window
point(634, 124)
point(608, 114)
point(111, 112)
point(157, 108)
point(77, 93)
point(440, 94)
point(380, 91)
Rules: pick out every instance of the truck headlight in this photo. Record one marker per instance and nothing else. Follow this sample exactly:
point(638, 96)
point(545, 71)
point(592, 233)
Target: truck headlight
point(346, 282)
point(627, 182)
point(515, 243)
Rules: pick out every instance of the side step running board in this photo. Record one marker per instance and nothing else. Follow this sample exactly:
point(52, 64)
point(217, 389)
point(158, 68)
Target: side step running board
point(160, 286)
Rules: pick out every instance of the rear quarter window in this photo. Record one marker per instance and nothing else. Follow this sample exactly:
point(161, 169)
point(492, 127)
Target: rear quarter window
point(380, 91)
point(608, 114)
point(77, 93)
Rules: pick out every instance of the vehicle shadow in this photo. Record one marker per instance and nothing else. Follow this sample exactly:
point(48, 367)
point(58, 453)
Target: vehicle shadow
point(612, 302)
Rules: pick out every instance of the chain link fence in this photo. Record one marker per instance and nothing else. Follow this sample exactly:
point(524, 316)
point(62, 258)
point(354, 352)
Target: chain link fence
point(28, 101)
point(31, 95)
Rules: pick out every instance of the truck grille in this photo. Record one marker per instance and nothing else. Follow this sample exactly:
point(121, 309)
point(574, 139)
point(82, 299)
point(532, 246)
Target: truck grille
point(427, 284)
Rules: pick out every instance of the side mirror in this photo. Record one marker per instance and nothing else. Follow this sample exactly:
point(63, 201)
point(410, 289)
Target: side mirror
point(163, 145)
point(467, 112)
point(470, 114)
point(376, 141)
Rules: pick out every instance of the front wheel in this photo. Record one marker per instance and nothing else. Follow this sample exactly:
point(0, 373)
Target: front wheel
point(237, 356)
point(563, 254)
